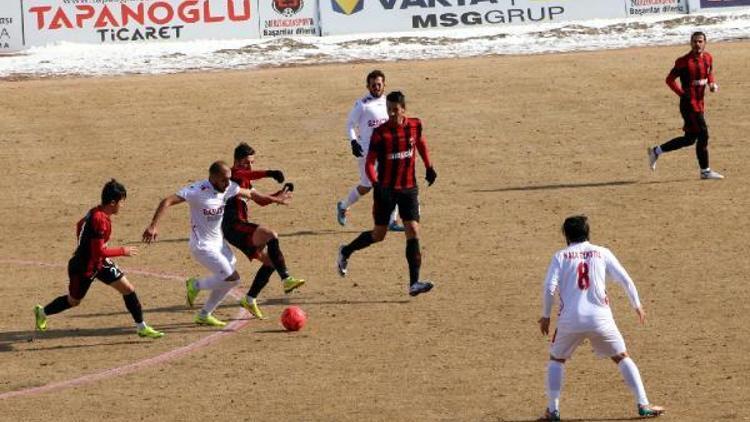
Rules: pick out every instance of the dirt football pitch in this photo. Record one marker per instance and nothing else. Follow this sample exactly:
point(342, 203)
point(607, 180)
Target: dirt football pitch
point(519, 143)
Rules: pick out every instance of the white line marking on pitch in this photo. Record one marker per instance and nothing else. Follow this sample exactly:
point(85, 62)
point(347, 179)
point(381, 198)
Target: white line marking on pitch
point(241, 320)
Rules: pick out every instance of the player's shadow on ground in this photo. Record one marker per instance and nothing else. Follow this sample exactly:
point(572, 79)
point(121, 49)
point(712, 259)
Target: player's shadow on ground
point(298, 233)
point(8, 339)
point(632, 418)
point(288, 301)
point(577, 185)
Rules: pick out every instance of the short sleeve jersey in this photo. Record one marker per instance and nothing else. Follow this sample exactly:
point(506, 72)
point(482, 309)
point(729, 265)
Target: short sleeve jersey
point(367, 114)
point(395, 147)
point(94, 226)
point(578, 272)
point(206, 211)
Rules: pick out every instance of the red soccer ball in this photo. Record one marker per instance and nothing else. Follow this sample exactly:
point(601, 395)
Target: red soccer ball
point(293, 318)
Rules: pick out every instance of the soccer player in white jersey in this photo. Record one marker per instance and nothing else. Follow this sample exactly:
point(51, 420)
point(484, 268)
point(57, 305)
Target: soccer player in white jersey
point(578, 273)
point(207, 200)
point(368, 113)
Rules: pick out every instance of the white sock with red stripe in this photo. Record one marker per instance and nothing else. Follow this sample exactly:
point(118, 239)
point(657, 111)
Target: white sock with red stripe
point(633, 379)
point(555, 374)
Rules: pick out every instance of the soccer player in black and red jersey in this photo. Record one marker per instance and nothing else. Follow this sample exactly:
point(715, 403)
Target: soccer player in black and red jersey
point(91, 260)
point(393, 146)
point(252, 238)
point(695, 71)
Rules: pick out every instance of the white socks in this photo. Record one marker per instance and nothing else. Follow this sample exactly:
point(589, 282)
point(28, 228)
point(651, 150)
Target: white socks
point(394, 215)
point(217, 295)
point(555, 373)
point(141, 325)
point(210, 282)
point(658, 151)
point(352, 198)
point(633, 379)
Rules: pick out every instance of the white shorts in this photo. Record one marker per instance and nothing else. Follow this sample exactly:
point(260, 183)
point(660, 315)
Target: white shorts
point(218, 259)
point(363, 179)
point(605, 340)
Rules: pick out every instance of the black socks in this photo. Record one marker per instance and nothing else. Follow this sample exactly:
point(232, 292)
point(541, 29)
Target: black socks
point(261, 279)
point(134, 307)
point(58, 305)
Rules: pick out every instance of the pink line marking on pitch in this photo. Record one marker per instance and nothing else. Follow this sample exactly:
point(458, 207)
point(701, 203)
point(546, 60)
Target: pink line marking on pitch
point(230, 329)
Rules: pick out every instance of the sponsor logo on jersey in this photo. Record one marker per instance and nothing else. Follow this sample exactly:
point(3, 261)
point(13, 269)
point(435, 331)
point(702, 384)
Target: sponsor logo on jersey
point(347, 7)
point(288, 8)
point(376, 122)
point(401, 155)
point(213, 211)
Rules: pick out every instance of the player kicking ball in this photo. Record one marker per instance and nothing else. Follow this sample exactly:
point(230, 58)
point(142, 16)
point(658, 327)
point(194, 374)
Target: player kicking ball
point(578, 272)
point(207, 200)
point(393, 146)
point(254, 240)
point(91, 260)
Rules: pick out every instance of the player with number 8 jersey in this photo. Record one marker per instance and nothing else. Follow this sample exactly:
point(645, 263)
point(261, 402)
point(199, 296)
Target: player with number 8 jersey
point(579, 273)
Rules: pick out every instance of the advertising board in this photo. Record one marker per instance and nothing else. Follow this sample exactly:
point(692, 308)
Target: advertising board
point(708, 4)
point(358, 16)
point(11, 28)
point(288, 18)
point(655, 7)
point(118, 21)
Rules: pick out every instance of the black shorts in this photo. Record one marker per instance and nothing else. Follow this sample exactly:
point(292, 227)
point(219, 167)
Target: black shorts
point(79, 282)
point(386, 199)
point(695, 122)
point(240, 235)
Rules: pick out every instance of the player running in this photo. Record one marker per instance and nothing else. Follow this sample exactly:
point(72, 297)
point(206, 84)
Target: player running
point(207, 200)
point(368, 113)
point(392, 146)
point(695, 71)
point(91, 260)
point(578, 273)
point(252, 238)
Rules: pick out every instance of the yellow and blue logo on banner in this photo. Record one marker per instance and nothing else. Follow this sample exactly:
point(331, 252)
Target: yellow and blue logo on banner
point(347, 7)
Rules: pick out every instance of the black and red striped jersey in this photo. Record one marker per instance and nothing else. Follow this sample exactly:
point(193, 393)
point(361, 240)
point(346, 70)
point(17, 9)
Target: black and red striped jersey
point(394, 146)
point(93, 233)
point(695, 71)
point(236, 208)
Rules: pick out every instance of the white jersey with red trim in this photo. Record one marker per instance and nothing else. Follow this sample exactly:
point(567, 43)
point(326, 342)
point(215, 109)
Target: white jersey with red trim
point(206, 212)
point(367, 114)
point(578, 272)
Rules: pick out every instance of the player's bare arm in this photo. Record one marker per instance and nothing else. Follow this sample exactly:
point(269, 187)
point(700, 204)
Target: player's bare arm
point(544, 325)
point(151, 232)
point(641, 315)
point(282, 198)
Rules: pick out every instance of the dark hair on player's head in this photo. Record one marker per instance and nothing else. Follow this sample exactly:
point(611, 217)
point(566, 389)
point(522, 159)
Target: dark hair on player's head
point(374, 75)
point(396, 97)
point(243, 150)
point(113, 191)
point(576, 229)
point(217, 168)
point(698, 34)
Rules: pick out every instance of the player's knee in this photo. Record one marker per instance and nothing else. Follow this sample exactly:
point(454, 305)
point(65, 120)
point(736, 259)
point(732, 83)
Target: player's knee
point(620, 356)
point(378, 235)
point(235, 276)
point(73, 302)
point(363, 190)
point(558, 360)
